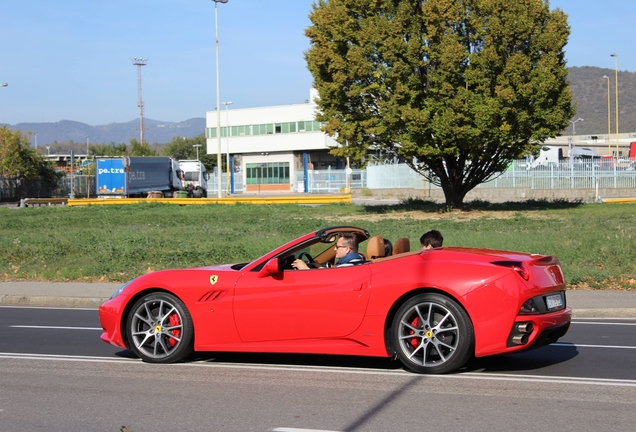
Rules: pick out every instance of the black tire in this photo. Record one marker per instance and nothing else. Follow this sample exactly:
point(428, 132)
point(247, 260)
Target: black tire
point(432, 334)
point(160, 329)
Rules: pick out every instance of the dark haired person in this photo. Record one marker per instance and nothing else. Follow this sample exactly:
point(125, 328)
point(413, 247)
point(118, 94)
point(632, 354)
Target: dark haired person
point(346, 252)
point(432, 239)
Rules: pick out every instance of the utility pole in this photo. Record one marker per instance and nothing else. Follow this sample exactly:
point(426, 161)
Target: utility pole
point(139, 62)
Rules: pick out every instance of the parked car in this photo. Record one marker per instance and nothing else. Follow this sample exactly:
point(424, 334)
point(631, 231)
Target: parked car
point(433, 309)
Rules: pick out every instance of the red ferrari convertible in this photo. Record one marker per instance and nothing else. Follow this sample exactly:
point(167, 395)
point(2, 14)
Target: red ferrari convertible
point(433, 309)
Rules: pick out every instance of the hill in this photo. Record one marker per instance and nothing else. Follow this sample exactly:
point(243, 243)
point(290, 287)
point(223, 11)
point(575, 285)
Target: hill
point(589, 90)
point(156, 132)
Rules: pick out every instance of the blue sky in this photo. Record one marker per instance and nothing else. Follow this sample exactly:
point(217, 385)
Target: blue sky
point(71, 59)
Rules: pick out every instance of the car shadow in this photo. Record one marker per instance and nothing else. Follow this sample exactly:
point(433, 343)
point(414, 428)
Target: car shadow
point(528, 360)
point(322, 360)
point(535, 359)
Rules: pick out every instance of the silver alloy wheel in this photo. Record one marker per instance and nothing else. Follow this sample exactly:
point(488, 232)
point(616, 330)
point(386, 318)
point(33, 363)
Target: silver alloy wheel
point(156, 328)
point(428, 334)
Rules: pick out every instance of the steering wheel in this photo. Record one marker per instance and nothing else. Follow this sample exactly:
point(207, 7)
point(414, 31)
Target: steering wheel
point(310, 261)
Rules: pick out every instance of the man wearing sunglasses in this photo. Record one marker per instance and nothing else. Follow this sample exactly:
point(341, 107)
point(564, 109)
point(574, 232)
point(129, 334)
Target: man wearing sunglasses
point(346, 252)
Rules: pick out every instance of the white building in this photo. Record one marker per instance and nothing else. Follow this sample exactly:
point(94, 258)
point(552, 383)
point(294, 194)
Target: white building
point(270, 144)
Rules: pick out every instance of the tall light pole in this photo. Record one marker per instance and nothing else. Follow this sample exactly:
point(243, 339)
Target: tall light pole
point(609, 118)
point(574, 125)
point(227, 154)
point(86, 147)
point(139, 62)
point(219, 164)
point(36, 140)
point(197, 147)
point(616, 58)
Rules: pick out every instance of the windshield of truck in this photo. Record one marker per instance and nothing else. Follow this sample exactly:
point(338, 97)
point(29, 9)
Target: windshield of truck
point(192, 175)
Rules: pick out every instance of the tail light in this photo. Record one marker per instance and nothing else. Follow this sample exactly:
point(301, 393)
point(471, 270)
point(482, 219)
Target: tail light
point(520, 267)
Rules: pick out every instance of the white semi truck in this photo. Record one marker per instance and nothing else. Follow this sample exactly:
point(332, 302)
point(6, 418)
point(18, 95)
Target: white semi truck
point(195, 178)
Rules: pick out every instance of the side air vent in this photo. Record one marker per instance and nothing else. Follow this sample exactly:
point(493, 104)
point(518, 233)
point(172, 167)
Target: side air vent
point(212, 296)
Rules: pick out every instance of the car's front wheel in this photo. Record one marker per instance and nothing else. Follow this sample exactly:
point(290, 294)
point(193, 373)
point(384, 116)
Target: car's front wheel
point(160, 329)
point(432, 333)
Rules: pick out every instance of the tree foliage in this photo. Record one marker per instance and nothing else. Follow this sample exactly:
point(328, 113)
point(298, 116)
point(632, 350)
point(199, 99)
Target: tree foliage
point(455, 87)
point(181, 148)
point(19, 159)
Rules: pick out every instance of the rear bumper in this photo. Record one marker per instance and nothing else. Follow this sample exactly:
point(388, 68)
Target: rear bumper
point(546, 329)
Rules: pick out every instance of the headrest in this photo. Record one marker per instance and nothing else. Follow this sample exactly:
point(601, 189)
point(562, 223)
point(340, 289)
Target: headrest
point(375, 247)
point(401, 245)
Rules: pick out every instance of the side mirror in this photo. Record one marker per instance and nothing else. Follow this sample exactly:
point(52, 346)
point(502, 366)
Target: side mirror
point(270, 267)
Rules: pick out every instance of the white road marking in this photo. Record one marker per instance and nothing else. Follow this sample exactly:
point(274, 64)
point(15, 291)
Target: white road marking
point(604, 323)
point(56, 327)
point(563, 344)
point(285, 429)
point(341, 370)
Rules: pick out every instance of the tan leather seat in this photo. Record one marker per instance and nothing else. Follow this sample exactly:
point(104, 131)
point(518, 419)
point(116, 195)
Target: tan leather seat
point(375, 247)
point(401, 245)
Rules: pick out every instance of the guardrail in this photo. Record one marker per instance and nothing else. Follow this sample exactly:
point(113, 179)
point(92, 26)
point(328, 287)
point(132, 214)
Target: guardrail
point(26, 202)
point(304, 199)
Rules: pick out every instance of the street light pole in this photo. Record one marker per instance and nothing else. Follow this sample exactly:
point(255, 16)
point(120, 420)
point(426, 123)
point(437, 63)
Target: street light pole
point(86, 147)
point(609, 119)
point(218, 98)
point(227, 154)
point(616, 58)
point(574, 125)
point(197, 147)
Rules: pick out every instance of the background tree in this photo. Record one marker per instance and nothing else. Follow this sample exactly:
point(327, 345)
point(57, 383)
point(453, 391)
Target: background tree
point(111, 149)
point(18, 159)
point(137, 149)
point(181, 148)
point(457, 88)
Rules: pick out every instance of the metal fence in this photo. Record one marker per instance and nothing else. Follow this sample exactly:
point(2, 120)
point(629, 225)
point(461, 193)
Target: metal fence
point(331, 180)
point(564, 175)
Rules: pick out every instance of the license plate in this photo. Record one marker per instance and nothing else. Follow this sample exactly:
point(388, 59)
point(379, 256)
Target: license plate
point(554, 301)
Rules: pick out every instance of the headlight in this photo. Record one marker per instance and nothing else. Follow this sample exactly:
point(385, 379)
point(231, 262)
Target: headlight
point(121, 288)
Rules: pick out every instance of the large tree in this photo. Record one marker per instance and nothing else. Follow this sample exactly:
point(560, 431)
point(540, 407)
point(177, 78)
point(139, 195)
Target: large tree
point(457, 88)
point(19, 160)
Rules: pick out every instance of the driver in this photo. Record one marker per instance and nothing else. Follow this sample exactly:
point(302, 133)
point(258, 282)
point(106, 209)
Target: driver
point(346, 252)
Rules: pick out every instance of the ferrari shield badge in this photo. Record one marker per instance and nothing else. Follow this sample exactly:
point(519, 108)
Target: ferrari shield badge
point(214, 279)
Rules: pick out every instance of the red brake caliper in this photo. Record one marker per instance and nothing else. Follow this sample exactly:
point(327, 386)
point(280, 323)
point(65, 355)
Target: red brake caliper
point(174, 321)
point(415, 323)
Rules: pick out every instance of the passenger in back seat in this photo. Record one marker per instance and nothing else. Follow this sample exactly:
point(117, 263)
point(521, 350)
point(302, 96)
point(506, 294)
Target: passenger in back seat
point(432, 239)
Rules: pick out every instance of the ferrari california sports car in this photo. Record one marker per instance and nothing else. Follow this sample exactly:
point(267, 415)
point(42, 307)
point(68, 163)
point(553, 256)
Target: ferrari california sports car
point(432, 309)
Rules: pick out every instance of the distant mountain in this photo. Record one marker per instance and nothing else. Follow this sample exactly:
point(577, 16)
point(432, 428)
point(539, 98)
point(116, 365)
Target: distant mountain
point(589, 90)
point(156, 132)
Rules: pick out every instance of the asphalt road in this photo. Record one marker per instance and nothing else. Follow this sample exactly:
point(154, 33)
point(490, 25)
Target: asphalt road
point(56, 374)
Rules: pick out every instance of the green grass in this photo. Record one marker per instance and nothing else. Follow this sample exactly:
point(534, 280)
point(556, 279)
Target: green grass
point(595, 242)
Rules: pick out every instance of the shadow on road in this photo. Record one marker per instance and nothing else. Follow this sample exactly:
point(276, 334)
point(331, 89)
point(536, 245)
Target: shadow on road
point(525, 361)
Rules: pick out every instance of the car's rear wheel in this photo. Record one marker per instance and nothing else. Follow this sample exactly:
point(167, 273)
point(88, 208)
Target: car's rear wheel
point(160, 329)
point(431, 333)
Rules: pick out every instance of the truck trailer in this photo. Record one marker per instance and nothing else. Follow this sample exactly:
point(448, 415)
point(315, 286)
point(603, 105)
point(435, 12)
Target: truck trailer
point(135, 176)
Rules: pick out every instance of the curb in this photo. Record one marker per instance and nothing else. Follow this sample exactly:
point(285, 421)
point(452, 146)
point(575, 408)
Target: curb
point(65, 302)
point(604, 313)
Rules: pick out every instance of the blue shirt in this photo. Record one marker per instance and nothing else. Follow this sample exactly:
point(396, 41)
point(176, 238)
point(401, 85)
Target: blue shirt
point(350, 259)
